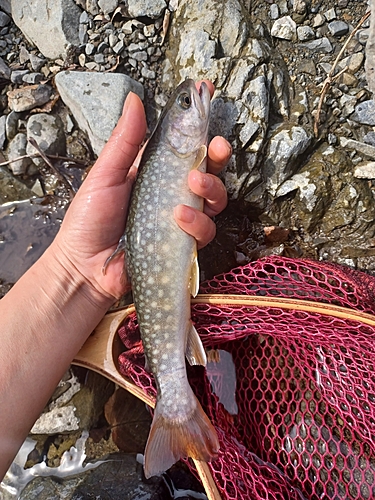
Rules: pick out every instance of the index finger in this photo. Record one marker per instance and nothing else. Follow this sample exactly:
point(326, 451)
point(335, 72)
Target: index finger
point(219, 153)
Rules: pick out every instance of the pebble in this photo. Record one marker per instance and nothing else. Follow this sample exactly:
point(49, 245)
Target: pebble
point(107, 6)
point(16, 148)
point(338, 28)
point(318, 21)
point(48, 132)
point(330, 15)
point(305, 33)
point(364, 113)
point(36, 62)
point(284, 28)
point(3, 135)
point(365, 170)
point(17, 75)
point(24, 55)
point(358, 146)
point(11, 124)
point(319, 45)
point(274, 11)
point(89, 49)
point(4, 19)
point(119, 47)
point(147, 73)
point(32, 78)
point(5, 71)
point(29, 97)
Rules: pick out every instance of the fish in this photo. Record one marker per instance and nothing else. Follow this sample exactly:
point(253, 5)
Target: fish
point(162, 264)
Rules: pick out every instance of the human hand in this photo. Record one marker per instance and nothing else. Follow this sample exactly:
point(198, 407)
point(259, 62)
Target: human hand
point(96, 218)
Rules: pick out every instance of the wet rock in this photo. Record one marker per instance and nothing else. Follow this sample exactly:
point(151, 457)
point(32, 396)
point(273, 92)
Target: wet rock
point(284, 28)
point(16, 148)
point(51, 34)
point(48, 132)
point(11, 189)
point(26, 98)
point(96, 100)
point(364, 113)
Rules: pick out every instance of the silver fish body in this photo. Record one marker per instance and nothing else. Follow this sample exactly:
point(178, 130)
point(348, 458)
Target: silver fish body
point(162, 264)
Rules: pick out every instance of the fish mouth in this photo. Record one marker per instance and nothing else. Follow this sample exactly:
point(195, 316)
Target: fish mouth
point(202, 99)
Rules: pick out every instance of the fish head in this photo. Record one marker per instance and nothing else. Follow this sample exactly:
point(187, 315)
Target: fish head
point(184, 123)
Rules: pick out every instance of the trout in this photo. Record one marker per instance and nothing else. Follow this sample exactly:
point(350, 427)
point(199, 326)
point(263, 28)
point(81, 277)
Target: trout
point(163, 267)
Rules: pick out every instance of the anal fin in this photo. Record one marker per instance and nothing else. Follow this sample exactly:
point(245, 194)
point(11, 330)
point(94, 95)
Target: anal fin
point(194, 275)
point(195, 353)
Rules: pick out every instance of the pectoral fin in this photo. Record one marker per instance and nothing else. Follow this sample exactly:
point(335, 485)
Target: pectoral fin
point(195, 353)
point(194, 275)
point(201, 155)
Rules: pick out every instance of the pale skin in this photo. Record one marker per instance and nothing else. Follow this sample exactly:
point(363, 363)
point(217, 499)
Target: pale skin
point(49, 313)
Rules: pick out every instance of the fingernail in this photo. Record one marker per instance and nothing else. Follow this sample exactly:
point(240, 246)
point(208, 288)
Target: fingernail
point(229, 150)
point(184, 214)
point(127, 103)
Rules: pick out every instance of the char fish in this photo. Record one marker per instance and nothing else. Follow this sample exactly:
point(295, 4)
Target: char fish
point(163, 268)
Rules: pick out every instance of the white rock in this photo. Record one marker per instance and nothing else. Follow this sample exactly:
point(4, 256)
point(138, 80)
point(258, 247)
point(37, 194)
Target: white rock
point(148, 8)
point(330, 14)
point(284, 28)
point(57, 420)
point(107, 6)
point(365, 170)
point(274, 11)
point(305, 33)
point(96, 101)
point(52, 34)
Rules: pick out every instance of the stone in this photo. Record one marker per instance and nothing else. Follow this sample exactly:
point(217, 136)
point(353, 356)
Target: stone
point(107, 6)
point(11, 125)
point(119, 47)
point(16, 148)
point(5, 6)
point(5, 71)
point(361, 147)
point(305, 33)
point(3, 135)
point(96, 101)
point(26, 98)
point(48, 132)
point(4, 19)
point(33, 78)
point(92, 7)
point(24, 55)
point(51, 34)
point(274, 11)
point(318, 21)
point(330, 14)
point(82, 34)
point(365, 170)
point(145, 8)
point(36, 62)
point(89, 49)
point(148, 73)
point(364, 113)
point(319, 45)
point(338, 28)
point(17, 75)
point(58, 420)
point(352, 63)
point(284, 28)
point(12, 189)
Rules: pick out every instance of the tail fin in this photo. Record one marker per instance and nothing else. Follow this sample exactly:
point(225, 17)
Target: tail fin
point(169, 441)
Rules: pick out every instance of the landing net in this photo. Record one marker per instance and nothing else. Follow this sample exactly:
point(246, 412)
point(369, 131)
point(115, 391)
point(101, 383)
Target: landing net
point(304, 420)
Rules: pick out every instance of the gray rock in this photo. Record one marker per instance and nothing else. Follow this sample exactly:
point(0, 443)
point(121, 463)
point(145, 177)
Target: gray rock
point(365, 170)
point(24, 55)
point(107, 6)
point(36, 62)
point(89, 49)
point(330, 14)
point(147, 73)
point(364, 113)
point(305, 33)
point(352, 63)
point(17, 75)
point(146, 8)
point(140, 56)
point(16, 148)
point(51, 34)
point(92, 7)
point(11, 125)
point(3, 135)
point(370, 51)
point(319, 45)
point(285, 146)
point(284, 28)
point(33, 78)
point(5, 71)
point(96, 100)
point(4, 19)
point(48, 132)
point(82, 34)
point(5, 6)
point(361, 147)
point(338, 28)
point(274, 11)
point(30, 97)
point(119, 47)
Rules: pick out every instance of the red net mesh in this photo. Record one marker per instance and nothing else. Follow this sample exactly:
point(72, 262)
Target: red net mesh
point(305, 383)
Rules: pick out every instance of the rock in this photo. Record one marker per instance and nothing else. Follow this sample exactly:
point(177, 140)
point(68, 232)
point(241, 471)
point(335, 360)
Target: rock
point(146, 8)
point(5, 71)
point(119, 47)
point(51, 34)
point(11, 189)
point(96, 100)
point(17, 75)
point(5, 6)
point(16, 148)
point(305, 33)
point(33, 78)
point(370, 51)
point(330, 14)
point(36, 62)
point(58, 420)
point(365, 170)
point(284, 147)
point(3, 136)
point(4, 19)
point(364, 113)
point(284, 28)
point(353, 62)
point(318, 20)
point(11, 126)
point(24, 55)
point(361, 147)
point(338, 28)
point(92, 7)
point(319, 45)
point(274, 11)
point(48, 132)
point(107, 6)
point(29, 97)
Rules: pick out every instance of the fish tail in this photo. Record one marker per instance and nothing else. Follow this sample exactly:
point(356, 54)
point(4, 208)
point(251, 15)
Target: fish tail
point(170, 440)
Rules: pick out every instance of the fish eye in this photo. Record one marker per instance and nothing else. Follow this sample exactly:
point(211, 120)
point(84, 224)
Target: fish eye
point(184, 100)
